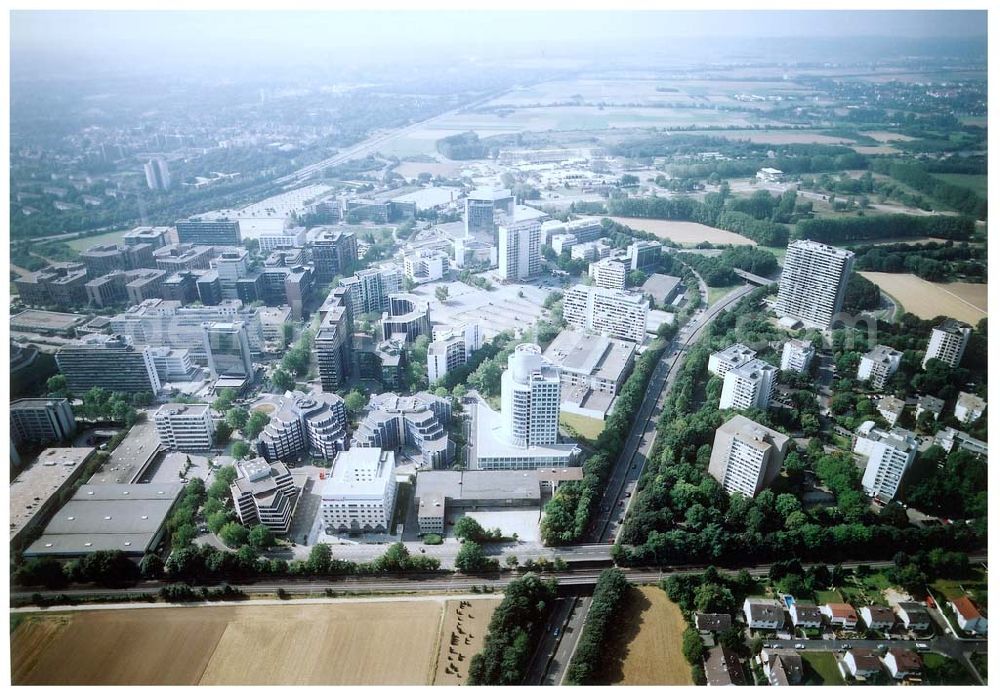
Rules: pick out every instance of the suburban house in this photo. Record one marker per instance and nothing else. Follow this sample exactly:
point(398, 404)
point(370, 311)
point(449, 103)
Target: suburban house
point(878, 618)
point(914, 615)
point(862, 664)
point(842, 614)
point(764, 614)
point(783, 668)
point(722, 667)
point(902, 663)
point(970, 618)
point(712, 622)
point(806, 615)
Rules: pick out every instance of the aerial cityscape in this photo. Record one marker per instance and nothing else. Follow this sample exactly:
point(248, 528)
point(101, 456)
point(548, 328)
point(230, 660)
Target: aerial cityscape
point(488, 348)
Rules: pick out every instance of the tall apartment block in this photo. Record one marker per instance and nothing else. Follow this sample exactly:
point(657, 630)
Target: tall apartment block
point(608, 273)
point(529, 398)
point(485, 207)
point(110, 362)
point(607, 311)
point(316, 423)
point(185, 427)
point(879, 365)
point(231, 265)
point(334, 253)
point(520, 250)
point(157, 174)
point(813, 282)
point(750, 385)
point(796, 355)
point(228, 349)
point(890, 454)
point(948, 342)
point(209, 231)
point(644, 255)
point(723, 361)
point(332, 344)
point(452, 348)
point(746, 456)
point(41, 420)
point(370, 289)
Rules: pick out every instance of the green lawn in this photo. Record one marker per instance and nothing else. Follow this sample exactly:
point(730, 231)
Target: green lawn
point(778, 252)
point(81, 244)
point(829, 596)
point(975, 586)
point(945, 671)
point(821, 669)
point(715, 293)
point(587, 427)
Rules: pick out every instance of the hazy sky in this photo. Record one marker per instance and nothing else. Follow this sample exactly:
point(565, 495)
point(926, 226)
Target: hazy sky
point(55, 37)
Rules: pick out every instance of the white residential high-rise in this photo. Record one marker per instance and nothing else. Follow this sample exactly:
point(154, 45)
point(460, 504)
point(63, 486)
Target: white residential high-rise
point(608, 273)
point(879, 365)
point(157, 174)
point(520, 250)
point(890, 454)
point(796, 355)
point(723, 361)
point(969, 407)
point(813, 282)
point(749, 385)
point(947, 343)
point(425, 265)
point(371, 288)
point(452, 348)
point(360, 494)
point(185, 427)
point(607, 311)
point(746, 456)
point(529, 398)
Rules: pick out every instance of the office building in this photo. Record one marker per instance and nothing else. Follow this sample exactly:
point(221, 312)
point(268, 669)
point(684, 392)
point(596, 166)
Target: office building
point(185, 427)
point(890, 454)
point(529, 398)
point(173, 365)
point(644, 255)
point(155, 237)
point(452, 348)
point(370, 288)
point(723, 361)
point(419, 421)
point(167, 324)
point(969, 407)
point(606, 311)
point(746, 456)
point(157, 174)
point(425, 265)
point(41, 421)
point(608, 273)
point(334, 253)
point(110, 362)
point(360, 494)
point(60, 284)
point(407, 315)
point(209, 231)
point(315, 424)
point(947, 343)
point(332, 344)
point(265, 493)
point(230, 266)
point(591, 251)
point(949, 437)
point(796, 355)
point(288, 237)
point(181, 286)
point(592, 370)
point(183, 257)
point(748, 386)
point(108, 289)
point(520, 250)
point(485, 208)
point(143, 284)
point(209, 288)
point(813, 282)
point(879, 365)
point(228, 349)
point(663, 289)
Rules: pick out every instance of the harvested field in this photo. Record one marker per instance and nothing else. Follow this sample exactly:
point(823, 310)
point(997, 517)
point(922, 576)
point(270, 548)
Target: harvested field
point(466, 621)
point(646, 650)
point(684, 233)
point(437, 169)
point(781, 137)
point(587, 427)
point(886, 136)
point(377, 642)
point(962, 301)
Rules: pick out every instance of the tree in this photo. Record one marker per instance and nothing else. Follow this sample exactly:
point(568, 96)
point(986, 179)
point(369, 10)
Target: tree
point(240, 450)
point(471, 558)
point(151, 566)
point(319, 559)
point(225, 399)
point(223, 432)
point(217, 520)
point(692, 646)
point(47, 572)
point(467, 528)
point(57, 385)
point(282, 380)
point(237, 417)
point(355, 402)
point(441, 293)
point(255, 424)
point(234, 534)
point(261, 537)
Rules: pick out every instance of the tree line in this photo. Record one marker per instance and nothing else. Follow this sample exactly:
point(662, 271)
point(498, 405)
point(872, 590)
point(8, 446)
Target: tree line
point(837, 231)
point(609, 596)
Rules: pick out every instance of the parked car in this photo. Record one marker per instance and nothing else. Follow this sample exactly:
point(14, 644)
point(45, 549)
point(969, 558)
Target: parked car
point(845, 646)
point(800, 646)
point(922, 646)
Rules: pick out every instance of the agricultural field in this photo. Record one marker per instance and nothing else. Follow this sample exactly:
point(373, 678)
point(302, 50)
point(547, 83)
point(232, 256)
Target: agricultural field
point(684, 233)
point(927, 300)
point(436, 169)
point(352, 642)
point(779, 136)
point(466, 623)
point(646, 649)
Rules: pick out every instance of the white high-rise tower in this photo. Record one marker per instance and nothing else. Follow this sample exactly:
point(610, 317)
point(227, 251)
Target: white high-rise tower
point(813, 282)
point(529, 398)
